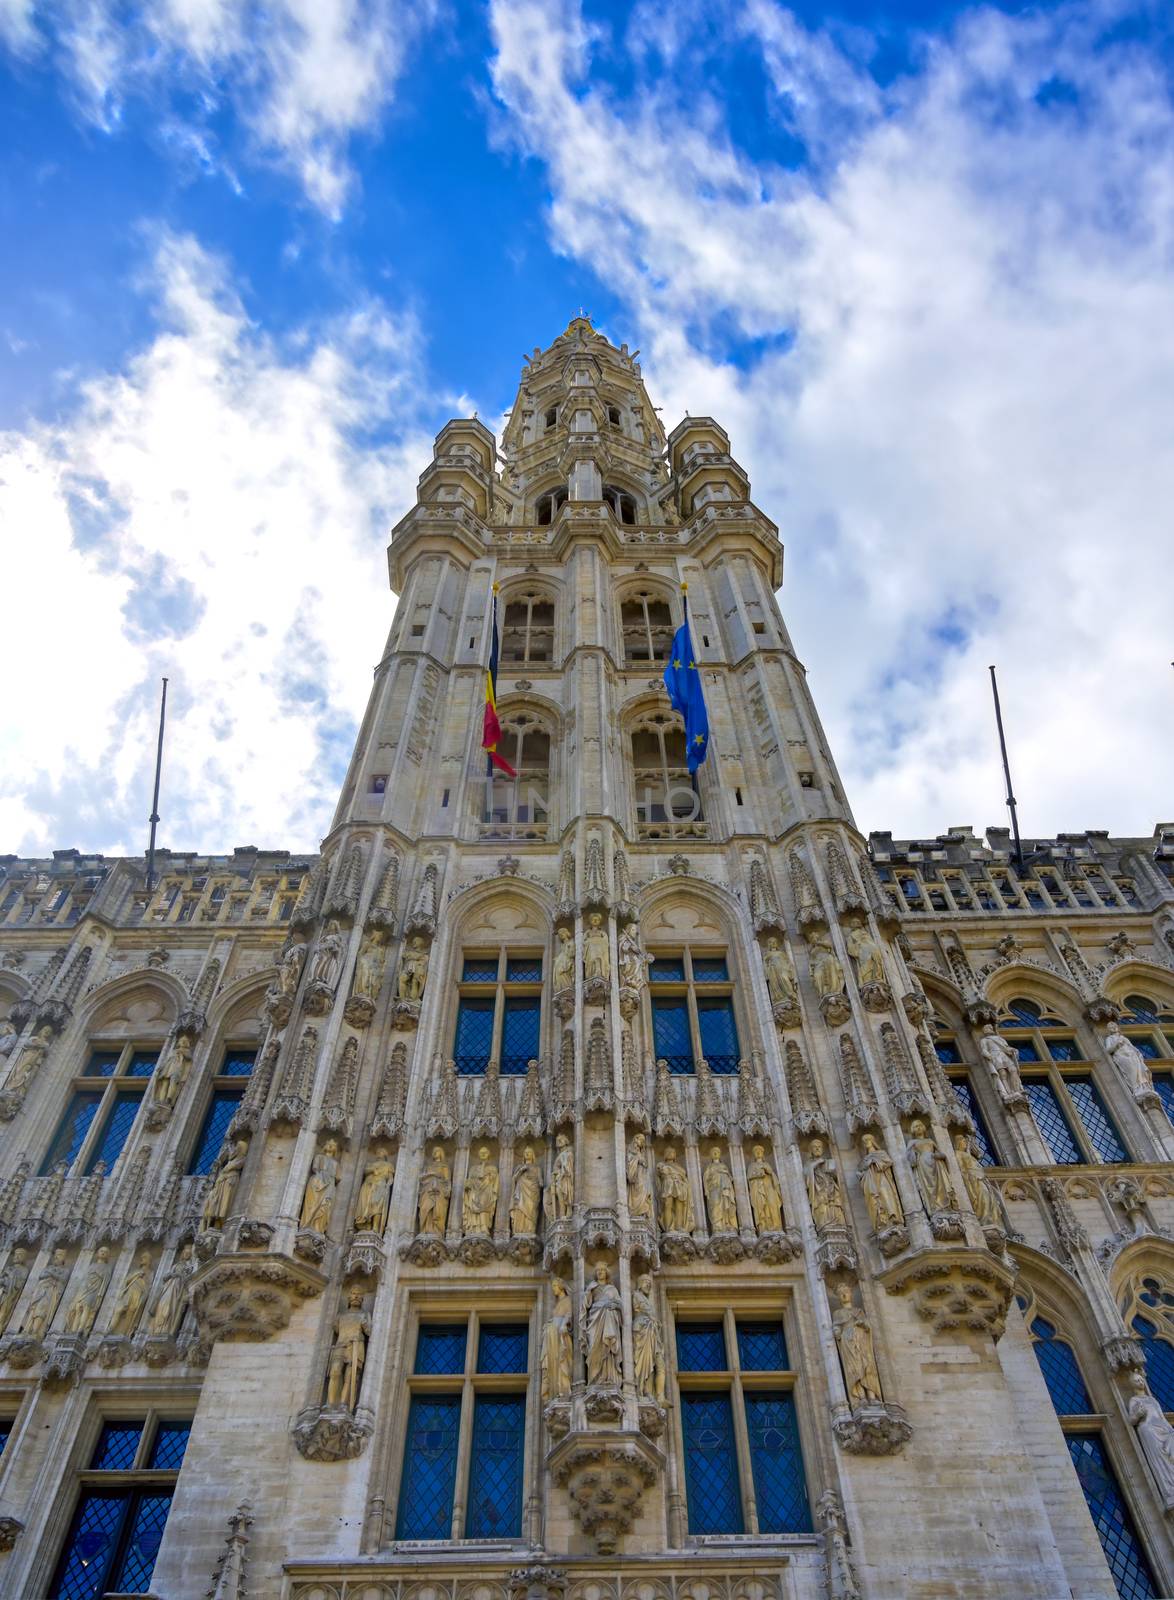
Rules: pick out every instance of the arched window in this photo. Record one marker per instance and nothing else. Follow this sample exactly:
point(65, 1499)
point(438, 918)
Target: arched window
point(1058, 1081)
point(668, 805)
point(1156, 1330)
point(621, 502)
point(647, 625)
point(1150, 1027)
point(1058, 1363)
point(549, 506)
point(527, 635)
point(518, 808)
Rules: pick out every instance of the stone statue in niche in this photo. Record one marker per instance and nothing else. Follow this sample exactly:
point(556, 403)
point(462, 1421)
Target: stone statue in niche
point(560, 1196)
point(435, 1189)
point(172, 1072)
point(8, 1037)
point(46, 1296)
point(86, 1303)
point(827, 974)
point(857, 1357)
point(930, 1168)
point(1128, 1060)
point(639, 1180)
point(374, 1202)
point(720, 1201)
point(29, 1061)
point(780, 973)
point(602, 1318)
point(1155, 1436)
point(564, 960)
point(328, 957)
point(983, 1199)
point(12, 1282)
point(370, 965)
point(766, 1198)
point(878, 1186)
point(166, 1314)
point(864, 950)
point(647, 1343)
point(413, 971)
point(823, 1190)
point(596, 949)
point(556, 1345)
point(633, 965)
point(132, 1297)
point(479, 1201)
point(525, 1195)
point(226, 1174)
point(676, 1203)
point(318, 1200)
point(290, 969)
point(348, 1353)
point(1002, 1059)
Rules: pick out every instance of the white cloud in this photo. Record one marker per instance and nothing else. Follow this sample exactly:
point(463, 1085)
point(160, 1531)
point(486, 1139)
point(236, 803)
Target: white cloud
point(966, 444)
point(216, 512)
point(303, 76)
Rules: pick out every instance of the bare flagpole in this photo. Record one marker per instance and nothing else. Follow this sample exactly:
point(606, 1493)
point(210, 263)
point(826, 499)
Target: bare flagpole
point(1007, 775)
point(154, 817)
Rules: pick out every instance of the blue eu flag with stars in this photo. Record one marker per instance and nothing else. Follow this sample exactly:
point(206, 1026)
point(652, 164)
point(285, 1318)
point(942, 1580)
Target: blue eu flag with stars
point(682, 679)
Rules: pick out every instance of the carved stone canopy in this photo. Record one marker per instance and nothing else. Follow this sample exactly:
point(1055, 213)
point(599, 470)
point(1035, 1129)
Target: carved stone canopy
point(332, 1433)
point(958, 1288)
point(250, 1297)
point(605, 1476)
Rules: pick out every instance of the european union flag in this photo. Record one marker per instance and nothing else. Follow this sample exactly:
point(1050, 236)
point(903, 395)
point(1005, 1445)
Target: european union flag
point(682, 679)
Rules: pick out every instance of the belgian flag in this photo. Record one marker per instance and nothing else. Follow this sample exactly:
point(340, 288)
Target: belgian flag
point(491, 728)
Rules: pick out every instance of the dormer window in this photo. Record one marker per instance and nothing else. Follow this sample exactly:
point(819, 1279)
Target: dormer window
point(623, 505)
point(550, 505)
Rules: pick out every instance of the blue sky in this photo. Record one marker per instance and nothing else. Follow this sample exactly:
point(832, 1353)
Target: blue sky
point(918, 260)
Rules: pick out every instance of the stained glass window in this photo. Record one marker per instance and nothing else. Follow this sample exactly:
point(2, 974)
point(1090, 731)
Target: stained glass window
point(667, 969)
point(5, 1433)
point(238, 1063)
point(710, 969)
point(711, 1470)
point(701, 1347)
point(1164, 1087)
point(89, 1547)
point(1053, 1124)
point(117, 1446)
point(495, 1470)
point(520, 1033)
point(1025, 1050)
point(441, 1349)
point(1111, 1518)
point(1058, 1363)
point(780, 1487)
point(102, 1064)
point(719, 1036)
point(987, 1153)
point(144, 1534)
point(474, 1035)
point(72, 1130)
point(171, 1442)
point(219, 1114)
point(947, 1052)
point(762, 1347)
point(479, 969)
point(115, 1130)
point(1064, 1050)
point(523, 969)
point(1103, 1136)
point(670, 1031)
point(503, 1347)
point(142, 1064)
point(430, 1467)
point(1159, 1362)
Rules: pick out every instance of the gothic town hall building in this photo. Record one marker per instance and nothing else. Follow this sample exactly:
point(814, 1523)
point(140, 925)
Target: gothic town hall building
point(589, 1185)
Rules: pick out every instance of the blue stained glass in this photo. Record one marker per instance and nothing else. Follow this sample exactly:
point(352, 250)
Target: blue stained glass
point(171, 1441)
point(1064, 1050)
point(711, 1471)
point(1144, 1010)
point(5, 1433)
point(719, 1036)
point(503, 1347)
point(219, 1114)
point(762, 1347)
point(987, 1153)
point(89, 1547)
point(1145, 1046)
point(474, 1035)
point(1053, 1124)
point(72, 1130)
point(142, 1063)
point(495, 1470)
point(1164, 1086)
point(116, 1130)
point(1025, 1012)
point(430, 1467)
point(1159, 1362)
point(102, 1064)
point(1057, 1361)
point(1111, 1518)
point(440, 1349)
point(117, 1444)
point(948, 1053)
point(238, 1063)
point(1103, 1136)
point(667, 969)
point(1025, 1050)
point(148, 1520)
point(670, 1032)
point(519, 1034)
point(523, 969)
point(710, 969)
point(701, 1347)
point(776, 1460)
point(479, 969)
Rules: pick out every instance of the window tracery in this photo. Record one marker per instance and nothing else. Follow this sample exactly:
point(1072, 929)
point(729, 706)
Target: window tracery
point(1058, 1080)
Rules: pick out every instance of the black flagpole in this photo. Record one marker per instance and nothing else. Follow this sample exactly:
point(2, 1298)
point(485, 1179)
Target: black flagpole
point(1007, 775)
point(154, 817)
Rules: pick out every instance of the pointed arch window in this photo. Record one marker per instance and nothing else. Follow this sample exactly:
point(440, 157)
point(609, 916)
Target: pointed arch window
point(102, 1109)
point(527, 635)
point(646, 621)
point(1153, 1323)
point(668, 803)
point(1058, 1080)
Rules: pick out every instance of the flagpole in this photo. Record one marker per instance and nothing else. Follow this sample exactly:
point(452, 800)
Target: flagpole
point(1007, 775)
point(693, 784)
point(153, 819)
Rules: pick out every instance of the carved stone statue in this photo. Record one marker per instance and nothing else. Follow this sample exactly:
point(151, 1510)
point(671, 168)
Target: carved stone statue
point(1002, 1059)
point(862, 947)
point(676, 1203)
point(823, 1190)
point(720, 1201)
point(369, 967)
point(8, 1037)
point(854, 1337)
point(318, 1200)
point(564, 961)
point(560, 1196)
point(556, 1345)
point(29, 1060)
point(525, 1195)
point(374, 1202)
point(878, 1187)
point(639, 1181)
point(766, 1198)
point(647, 1343)
point(413, 970)
point(166, 1314)
point(172, 1072)
point(328, 957)
point(46, 1296)
point(132, 1297)
point(86, 1303)
point(1128, 1060)
point(12, 1282)
point(780, 974)
point(633, 965)
point(983, 1199)
point(290, 969)
point(435, 1189)
point(1155, 1436)
point(826, 972)
point(930, 1168)
point(602, 1317)
point(226, 1174)
point(479, 1201)
point(596, 949)
point(344, 1376)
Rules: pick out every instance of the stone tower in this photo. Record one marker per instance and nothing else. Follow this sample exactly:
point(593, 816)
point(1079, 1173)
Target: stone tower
point(592, 1184)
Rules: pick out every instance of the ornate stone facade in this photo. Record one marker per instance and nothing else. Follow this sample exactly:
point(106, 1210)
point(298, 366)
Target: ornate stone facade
point(858, 1196)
